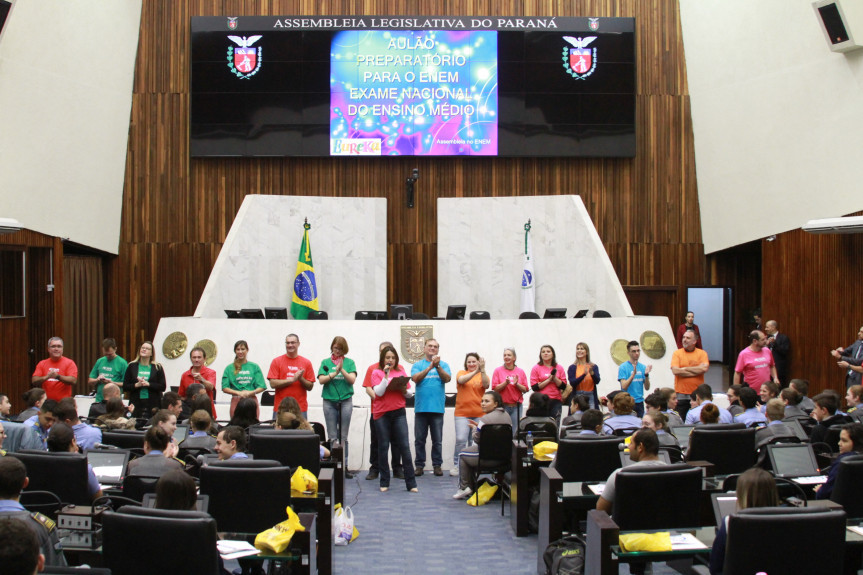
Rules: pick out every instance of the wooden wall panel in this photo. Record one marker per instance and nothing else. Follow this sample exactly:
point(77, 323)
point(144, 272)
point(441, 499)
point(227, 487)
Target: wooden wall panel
point(177, 210)
point(811, 286)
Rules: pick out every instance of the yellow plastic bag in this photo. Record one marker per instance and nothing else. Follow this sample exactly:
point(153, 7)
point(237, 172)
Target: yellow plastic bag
point(304, 480)
point(544, 450)
point(632, 542)
point(278, 537)
point(483, 495)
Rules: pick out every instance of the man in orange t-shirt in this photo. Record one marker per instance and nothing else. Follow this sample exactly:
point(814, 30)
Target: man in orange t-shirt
point(688, 364)
point(288, 376)
point(57, 374)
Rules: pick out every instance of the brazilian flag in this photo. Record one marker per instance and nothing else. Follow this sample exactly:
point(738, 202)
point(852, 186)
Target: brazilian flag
point(305, 298)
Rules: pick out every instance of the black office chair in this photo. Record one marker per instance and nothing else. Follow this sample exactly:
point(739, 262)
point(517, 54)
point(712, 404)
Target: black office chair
point(848, 489)
point(832, 437)
point(247, 463)
point(624, 431)
point(268, 398)
point(541, 430)
point(773, 528)
point(44, 502)
point(419, 315)
point(264, 493)
point(495, 455)
point(130, 539)
point(136, 486)
point(291, 447)
point(320, 430)
point(729, 449)
point(675, 454)
point(314, 314)
point(370, 315)
point(115, 502)
point(480, 315)
point(64, 474)
point(638, 503)
point(56, 570)
point(587, 457)
point(601, 313)
point(528, 315)
point(124, 438)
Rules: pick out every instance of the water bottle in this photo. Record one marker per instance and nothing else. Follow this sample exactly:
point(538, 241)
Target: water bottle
point(529, 440)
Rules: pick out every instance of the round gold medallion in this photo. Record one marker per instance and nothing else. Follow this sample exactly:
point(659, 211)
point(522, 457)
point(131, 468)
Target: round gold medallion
point(618, 351)
point(209, 347)
point(653, 345)
point(174, 345)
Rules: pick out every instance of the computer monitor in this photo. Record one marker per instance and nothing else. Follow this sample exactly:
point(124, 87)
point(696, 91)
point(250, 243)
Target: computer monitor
point(681, 432)
point(201, 505)
point(554, 312)
point(181, 433)
point(456, 311)
point(233, 313)
point(581, 313)
point(276, 312)
point(254, 313)
point(402, 311)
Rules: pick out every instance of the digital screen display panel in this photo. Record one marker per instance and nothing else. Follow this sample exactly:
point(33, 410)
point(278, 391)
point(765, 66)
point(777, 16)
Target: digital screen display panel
point(377, 86)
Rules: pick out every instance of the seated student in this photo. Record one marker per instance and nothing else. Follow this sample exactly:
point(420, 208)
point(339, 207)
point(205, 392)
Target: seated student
point(61, 439)
point(538, 412)
point(624, 414)
point(766, 393)
point(750, 415)
point(709, 414)
point(200, 437)
point(492, 406)
point(172, 403)
point(155, 463)
point(854, 399)
point(193, 391)
point(775, 427)
point(19, 549)
point(669, 396)
point(292, 405)
point(110, 391)
point(5, 407)
point(644, 451)
point(702, 396)
point(231, 443)
point(42, 421)
point(801, 386)
point(33, 398)
point(825, 413)
point(733, 394)
point(116, 415)
point(755, 488)
point(245, 413)
point(591, 425)
point(203, 402)
point(658, 422)
point(287, 420)
point(792, 399)
point(577, 406)
point(850, 443)
point(13, 479)
point(86, 436)
point(167, 420)
point(176, 490)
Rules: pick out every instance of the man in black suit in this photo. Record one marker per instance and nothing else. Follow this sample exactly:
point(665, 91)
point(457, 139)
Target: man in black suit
point(780, 346)
point(848, 356)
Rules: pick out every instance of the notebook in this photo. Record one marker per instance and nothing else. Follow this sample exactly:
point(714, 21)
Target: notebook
point(724, 504)
point(109, 465)
point(181, 433)
point(625, 461)
point(795, 461)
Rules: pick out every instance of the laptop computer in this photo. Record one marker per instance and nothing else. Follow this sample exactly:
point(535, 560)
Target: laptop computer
point(109, 465)
point(797, 428)
point(625, 461)
point(201, 504)
point(681, 432)
point(181, 433)
point(724, 504)
point(795, 461)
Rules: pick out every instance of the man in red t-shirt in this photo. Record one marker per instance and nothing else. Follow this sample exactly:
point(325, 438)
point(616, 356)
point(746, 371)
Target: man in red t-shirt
point(289, 375)
point(57, 374)
point(199, 373)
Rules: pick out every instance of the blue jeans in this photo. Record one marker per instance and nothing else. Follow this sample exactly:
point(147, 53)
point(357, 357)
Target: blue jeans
point(373, 451)
point(393, 426)
point(463, 436)
point(591, 398)
point(332, 410)
point(423, 423)
point(639, 409)
point(515, 415)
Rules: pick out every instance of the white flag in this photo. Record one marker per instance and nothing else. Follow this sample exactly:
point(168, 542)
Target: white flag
point(528, 280)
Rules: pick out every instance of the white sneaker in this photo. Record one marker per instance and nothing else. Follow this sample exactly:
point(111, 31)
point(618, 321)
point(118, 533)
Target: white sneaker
point(454, 471)
point(462, 493)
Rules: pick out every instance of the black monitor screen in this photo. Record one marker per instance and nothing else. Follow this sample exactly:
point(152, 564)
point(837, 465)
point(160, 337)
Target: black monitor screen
point(429, 86)
point(554, 312)
point(456, 311)
point(276, 312)
point(401, 311)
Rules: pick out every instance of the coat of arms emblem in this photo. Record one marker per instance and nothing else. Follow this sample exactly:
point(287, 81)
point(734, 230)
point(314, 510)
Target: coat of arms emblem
point(244, 60)
point(579, 60)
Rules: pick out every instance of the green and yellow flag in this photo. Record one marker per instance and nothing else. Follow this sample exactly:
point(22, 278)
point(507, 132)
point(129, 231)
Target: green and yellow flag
point(305, 298)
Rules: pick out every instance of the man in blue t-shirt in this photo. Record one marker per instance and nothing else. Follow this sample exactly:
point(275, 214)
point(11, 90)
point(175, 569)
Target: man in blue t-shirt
point(634, 377)
point(429, 375)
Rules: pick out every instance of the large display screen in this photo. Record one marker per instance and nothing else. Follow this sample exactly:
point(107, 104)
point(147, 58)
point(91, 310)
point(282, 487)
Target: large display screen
point(378, 86)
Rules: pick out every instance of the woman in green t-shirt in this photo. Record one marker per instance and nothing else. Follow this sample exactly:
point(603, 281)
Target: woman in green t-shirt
point(337, 375)
point(243, 378)
point(145, 382)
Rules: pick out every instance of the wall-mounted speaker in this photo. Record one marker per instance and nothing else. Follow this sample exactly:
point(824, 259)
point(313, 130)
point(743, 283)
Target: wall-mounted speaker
point(840, 20)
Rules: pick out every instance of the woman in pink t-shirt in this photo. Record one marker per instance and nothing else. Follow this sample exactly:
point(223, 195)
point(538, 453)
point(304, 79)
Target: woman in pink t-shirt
point(388, 411)
point(547, 377)
point(511, 383)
